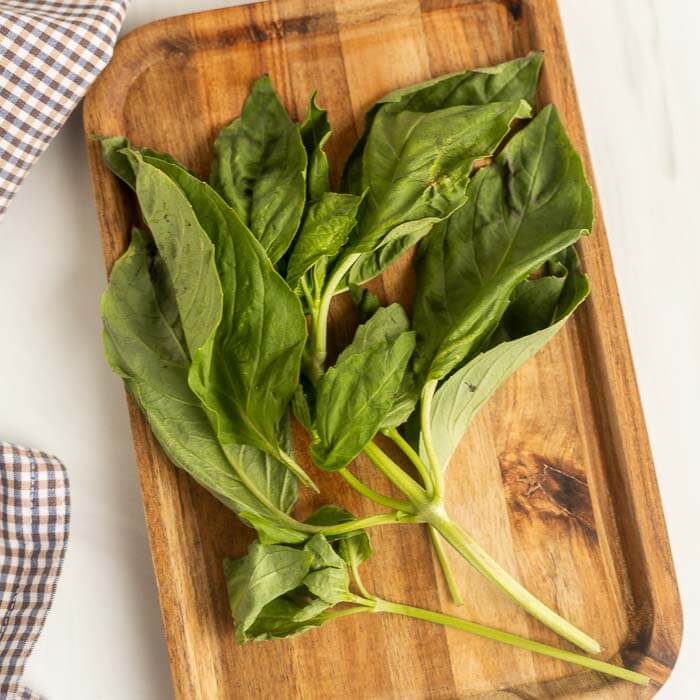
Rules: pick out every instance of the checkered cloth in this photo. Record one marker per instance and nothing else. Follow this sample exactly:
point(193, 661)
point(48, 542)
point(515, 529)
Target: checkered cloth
point(34, 520)
point(50, 53)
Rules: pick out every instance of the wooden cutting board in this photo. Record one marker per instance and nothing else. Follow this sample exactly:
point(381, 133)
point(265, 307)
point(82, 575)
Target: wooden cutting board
point(555, 476)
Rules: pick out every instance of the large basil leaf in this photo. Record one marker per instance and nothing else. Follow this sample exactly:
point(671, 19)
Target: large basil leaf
point(359, 391)
point(327, 225)
point(260, 167)
point(538, 310)
point(144, 345)
point(530, 203)
point(278, 591)
point(417, 165)
point(247, 374)
point(513, 80)
point(315, 131)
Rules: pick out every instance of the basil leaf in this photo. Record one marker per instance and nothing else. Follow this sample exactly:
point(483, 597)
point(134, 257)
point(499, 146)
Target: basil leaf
point(247, 374)
point(143, 346)
point(530, 203)
point(277, 591)
point(266, 573)
point(259, 168)
point(284, 618)
point(355, 549)
point(416, 166)
point(358, 392)
point(327, 225)
point(315, 131)
point(539, 309)
point(328, 578)
point(187, 253)
point(513, 80)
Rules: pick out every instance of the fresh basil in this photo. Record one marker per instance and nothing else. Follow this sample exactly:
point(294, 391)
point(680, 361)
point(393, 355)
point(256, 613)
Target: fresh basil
point(539, 309)
point(144, 345)
point(530, 203)
point(357, 394)
point(211, 340)
point(260, 169)
point(315, 132)
point(326, 228)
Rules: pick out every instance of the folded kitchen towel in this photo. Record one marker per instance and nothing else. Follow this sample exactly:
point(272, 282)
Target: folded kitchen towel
point(34, 521)
point(50, 53)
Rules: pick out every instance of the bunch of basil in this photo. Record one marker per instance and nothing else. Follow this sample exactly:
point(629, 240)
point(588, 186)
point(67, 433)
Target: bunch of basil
point(217, 319)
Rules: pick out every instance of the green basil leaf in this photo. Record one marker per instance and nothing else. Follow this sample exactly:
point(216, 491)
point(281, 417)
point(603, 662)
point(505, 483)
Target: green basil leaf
point(355, 549)
point(187, 253)
point(144, 346)
point(417, 165)
point(358, 392)
point(265, 574)
point(328, 578)
point(278, 591)
point(247, 374)
point(326, 228)
point(284, 618)
point(315, 131)
point(530, 203)
point(540, 308)
point(513, 80)
point(260, 169)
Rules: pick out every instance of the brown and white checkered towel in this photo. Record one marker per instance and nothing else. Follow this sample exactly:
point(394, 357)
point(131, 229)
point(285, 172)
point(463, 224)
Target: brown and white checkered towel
point(34, 522)
point(50, 53)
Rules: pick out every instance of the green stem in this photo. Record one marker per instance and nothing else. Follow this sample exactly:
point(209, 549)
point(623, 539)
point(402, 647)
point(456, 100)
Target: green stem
point(307, 294)
point(344, 612)
point(396, 475)
point(395, 436)
point(373, 495)
point(427, 435)
point(488, 567)
point(445, 566)
point(369, 521)
point(319, 330)
point(514, 640)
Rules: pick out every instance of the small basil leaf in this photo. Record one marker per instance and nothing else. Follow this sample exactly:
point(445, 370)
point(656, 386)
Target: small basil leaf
point(187, 252)
point(358, 392)
point(283, 618)
point(315, 131)
point(327, 225)
point(328, 578)
point(355, 549)
point(259, 168)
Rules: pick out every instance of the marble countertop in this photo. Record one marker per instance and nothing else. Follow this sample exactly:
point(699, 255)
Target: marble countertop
point(635, 67)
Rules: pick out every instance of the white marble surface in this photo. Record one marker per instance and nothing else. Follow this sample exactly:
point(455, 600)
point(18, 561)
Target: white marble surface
point(635, 66)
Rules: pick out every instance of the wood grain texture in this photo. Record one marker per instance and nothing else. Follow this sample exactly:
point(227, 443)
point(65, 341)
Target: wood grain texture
point(554, 477)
